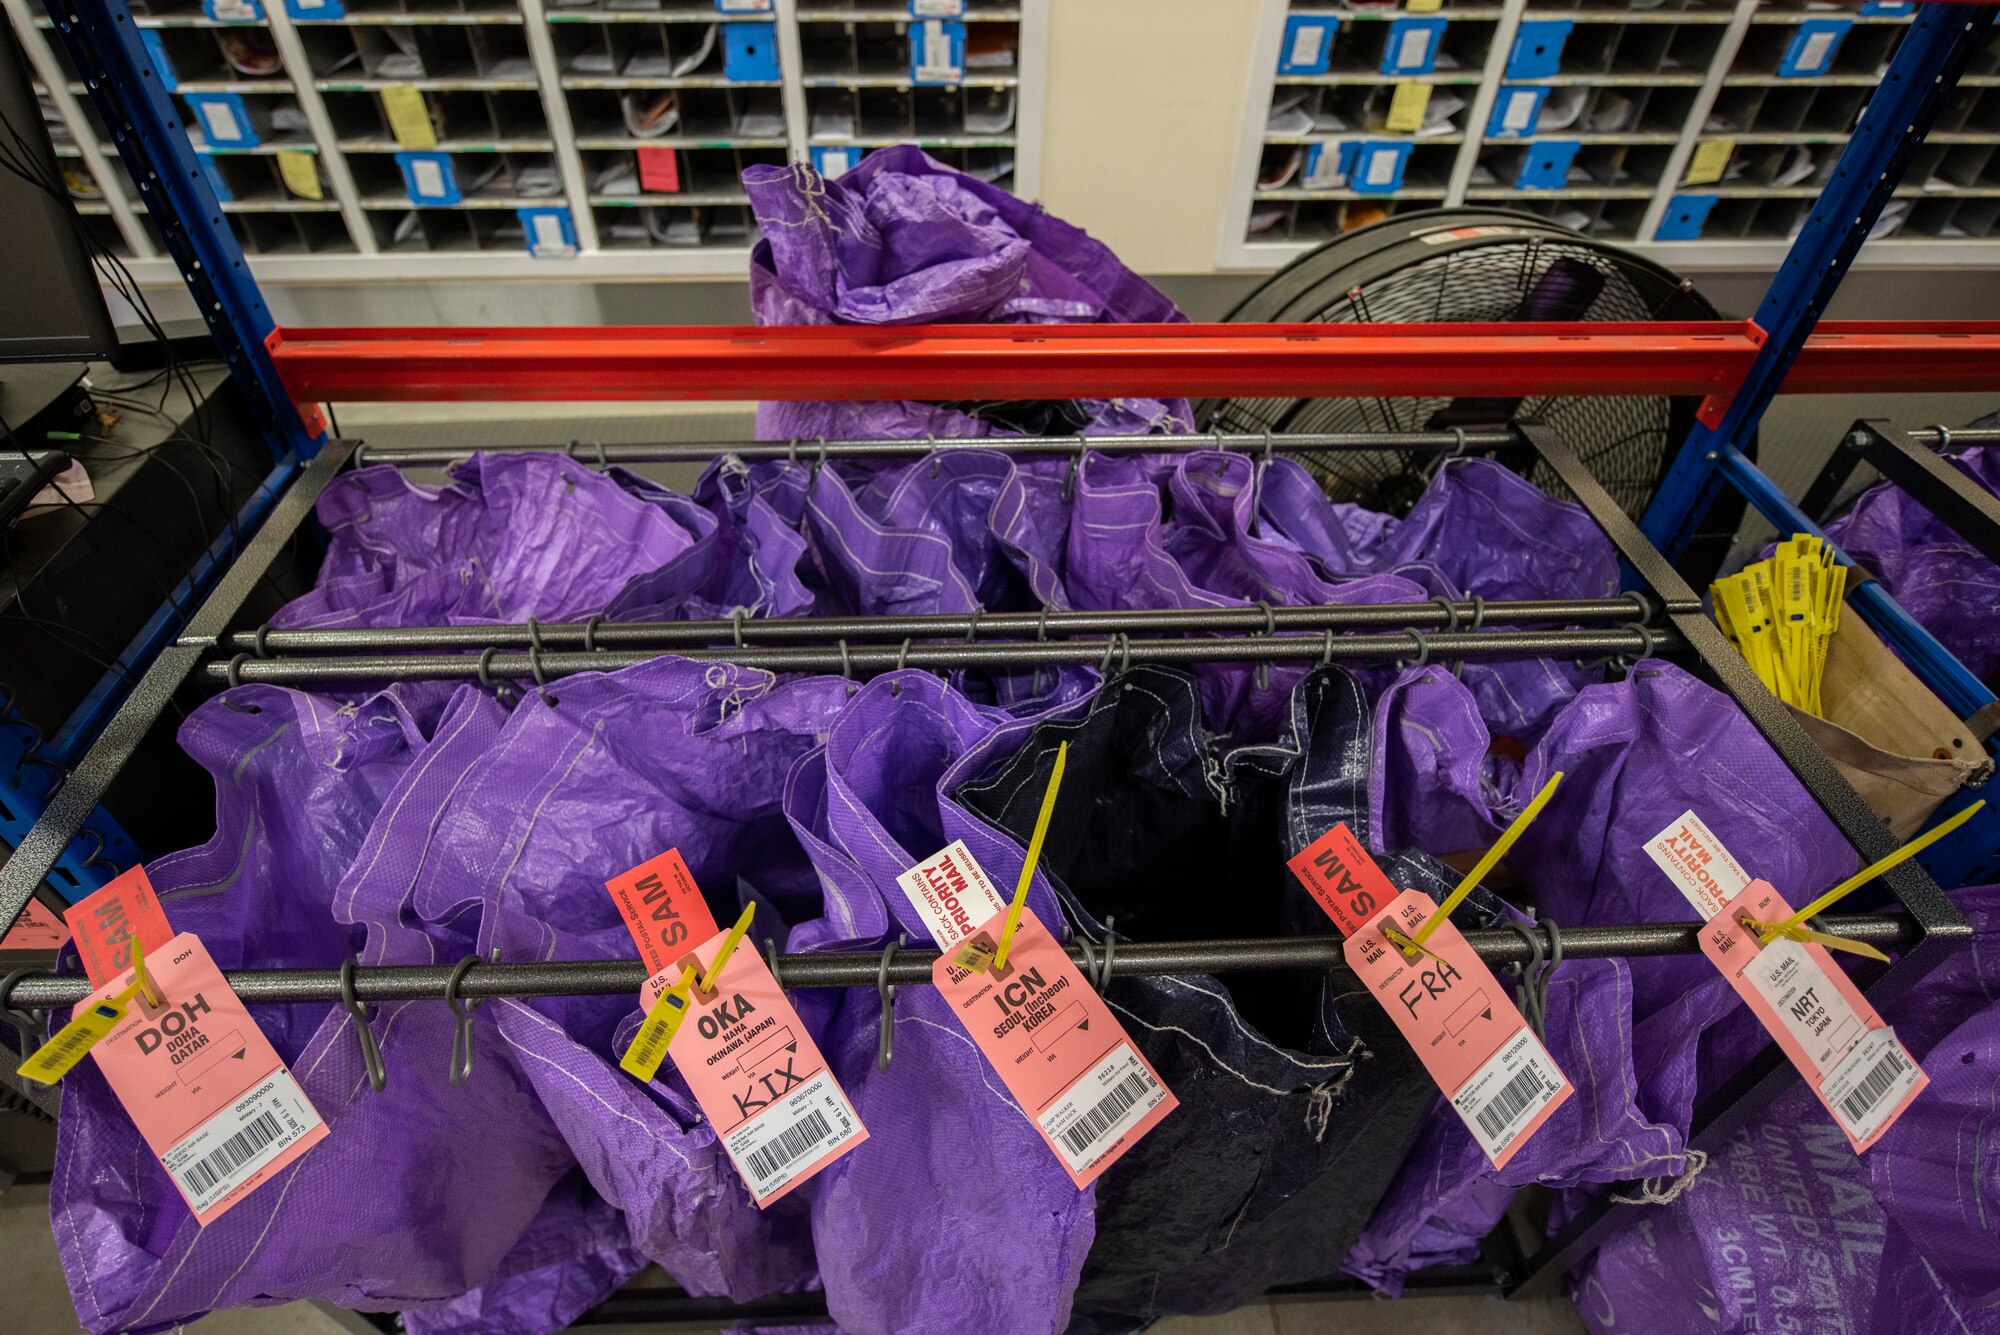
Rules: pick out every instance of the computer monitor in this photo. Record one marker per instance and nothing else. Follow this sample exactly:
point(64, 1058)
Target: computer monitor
point(52, 308)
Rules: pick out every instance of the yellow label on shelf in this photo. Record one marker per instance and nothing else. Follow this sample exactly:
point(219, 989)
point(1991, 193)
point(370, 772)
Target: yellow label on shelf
point(409, 118)
point(1711, 159)
point(1406, 108)
point(301, 173)
point(1423, 6)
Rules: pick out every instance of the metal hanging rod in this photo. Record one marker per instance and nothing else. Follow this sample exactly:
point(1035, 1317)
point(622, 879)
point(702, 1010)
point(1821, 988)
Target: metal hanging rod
point(602, 634)
point(572, 978)
point(1944, 437)
point(809, 451)
point(1119, 650)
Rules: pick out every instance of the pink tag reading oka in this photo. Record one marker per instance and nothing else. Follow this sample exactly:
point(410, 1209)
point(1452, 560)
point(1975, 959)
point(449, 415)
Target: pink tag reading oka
point(758, 1076)
point(202, 1083)
point(1852, 1060)
point(1463, 1024)
point(1070, 1066)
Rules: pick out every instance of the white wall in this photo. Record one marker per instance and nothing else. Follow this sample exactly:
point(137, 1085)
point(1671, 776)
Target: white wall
point(1144, 109)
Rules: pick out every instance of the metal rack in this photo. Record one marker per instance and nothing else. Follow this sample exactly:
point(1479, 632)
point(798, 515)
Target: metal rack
point(1701, 131)
point(550, 130)
point(1736, 368)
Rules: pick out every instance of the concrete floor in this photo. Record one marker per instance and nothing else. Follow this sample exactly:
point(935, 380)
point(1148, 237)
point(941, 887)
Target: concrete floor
point(37, 1302)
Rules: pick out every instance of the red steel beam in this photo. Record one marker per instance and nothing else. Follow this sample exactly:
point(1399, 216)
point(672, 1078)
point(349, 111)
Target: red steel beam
point(1112, 361)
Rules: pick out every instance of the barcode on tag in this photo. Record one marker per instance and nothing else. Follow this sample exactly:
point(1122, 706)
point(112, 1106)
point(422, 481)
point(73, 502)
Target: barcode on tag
point(200, 1176)
point(793, 1134)
point(1864, 1089)
point(227, 1150)
point(1091, 1115)
point(1504, 1095)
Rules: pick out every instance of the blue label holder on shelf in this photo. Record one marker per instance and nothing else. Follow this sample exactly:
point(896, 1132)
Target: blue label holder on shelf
point(550, 233)
point(428, 178)
point(835, 162)
point(1308, 44)
point(937, 52)
point(1538, 48)
point(1546, 167)
point(1329, 165)
point(1814, 45)
point(1412, 47)
point(316, 9)
point(162, 63)
point(1889, 9)
point(1515, 111)
point(750, 52)
point(1378, 166)
point(1686, 215)
point(224, 119)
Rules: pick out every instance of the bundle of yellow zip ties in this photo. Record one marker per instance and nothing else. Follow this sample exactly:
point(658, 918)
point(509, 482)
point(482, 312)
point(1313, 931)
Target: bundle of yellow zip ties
point(1781, 614)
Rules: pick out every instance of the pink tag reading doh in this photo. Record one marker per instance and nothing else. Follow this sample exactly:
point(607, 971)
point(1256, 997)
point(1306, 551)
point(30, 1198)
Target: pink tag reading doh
point(758, 1076)
point(36, 929)
point(663, 909)
point(1070, 1066)
point(202, 1083)
point(107, 922)
point(1852, 1060)
point(1464, 1026)
point(1338, 872)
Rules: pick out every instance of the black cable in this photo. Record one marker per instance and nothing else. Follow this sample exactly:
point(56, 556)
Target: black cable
point(331, 420)
point(84, 507)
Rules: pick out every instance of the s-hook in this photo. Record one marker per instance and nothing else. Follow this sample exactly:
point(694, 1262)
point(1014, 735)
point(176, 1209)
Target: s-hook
point(885, 1047)
point(371, 1054)
point(461, 1031)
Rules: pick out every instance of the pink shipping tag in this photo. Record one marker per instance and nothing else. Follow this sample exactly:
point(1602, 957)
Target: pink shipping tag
point(36, 929)
point(107, 922)
point(663, 909)
point(1338, 872)
point(1852, 1061)
point(1066, 1061)
point(758, 1076)
point(1463, 1024)
point(202, 1083)
point(659, 171)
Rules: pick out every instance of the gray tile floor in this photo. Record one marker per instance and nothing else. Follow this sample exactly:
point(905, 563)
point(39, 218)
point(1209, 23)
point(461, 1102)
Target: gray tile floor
point(37, 1302)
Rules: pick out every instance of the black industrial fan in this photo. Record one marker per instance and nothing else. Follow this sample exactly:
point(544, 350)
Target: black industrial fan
point(1484, 265)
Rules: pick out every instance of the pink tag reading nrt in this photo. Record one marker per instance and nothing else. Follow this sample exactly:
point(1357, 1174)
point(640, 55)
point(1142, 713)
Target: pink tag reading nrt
point(663, 909)
point(1852, 1060)
point(202, 1083)
point(1070, 1066)
point(106, 924)
point(758, 1076)
point(1464, 1026)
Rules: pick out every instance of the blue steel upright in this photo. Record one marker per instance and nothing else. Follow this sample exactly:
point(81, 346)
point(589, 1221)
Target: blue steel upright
point(104, 44)
point(1939, 42)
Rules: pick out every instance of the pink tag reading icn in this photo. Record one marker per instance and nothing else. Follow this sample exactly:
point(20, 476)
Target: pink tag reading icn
point(1463, 1024)
point(1852, 1061)
point(1070, 1066)
point(758, 1076)
point(202, 1083)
